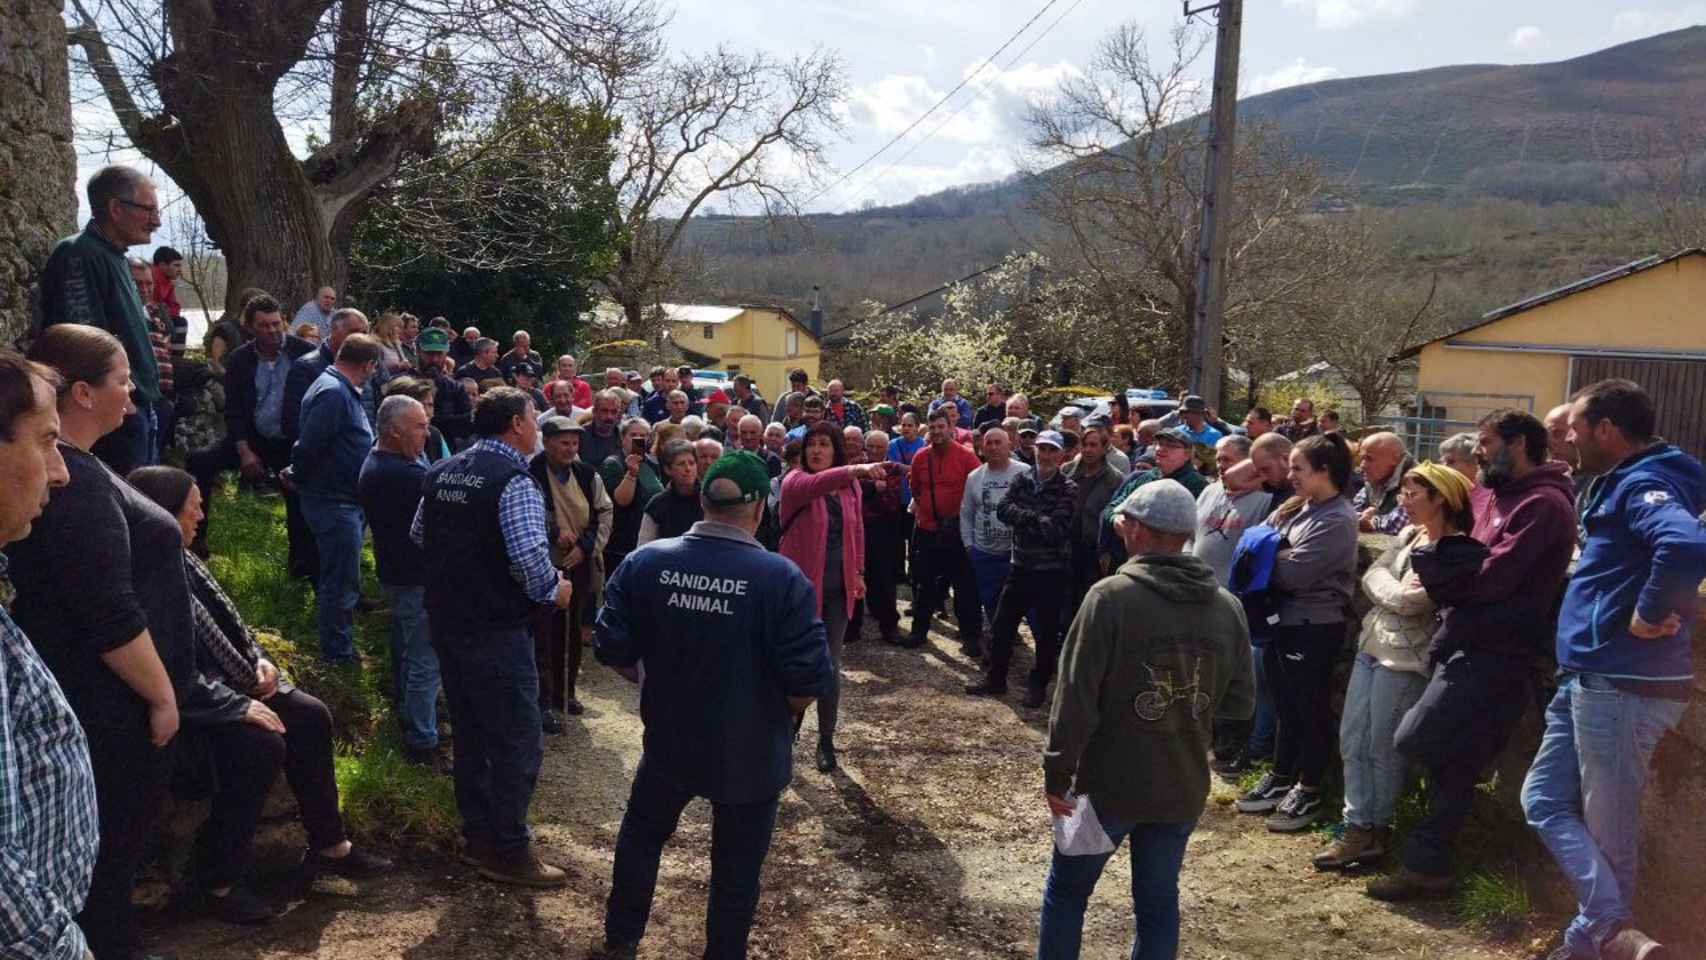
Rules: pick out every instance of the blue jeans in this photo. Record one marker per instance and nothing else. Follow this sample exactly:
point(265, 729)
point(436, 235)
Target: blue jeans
point(1157, 851)
point(492, 685)
point(1583, 796)
point(1266, 723)
point(990, 570)
point(414, 667)
point(1375, 701)
point(337, 527)
point(740, 839)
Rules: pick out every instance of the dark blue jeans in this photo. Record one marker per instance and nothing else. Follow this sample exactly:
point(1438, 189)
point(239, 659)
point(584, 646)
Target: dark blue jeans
point(337, 526)
point(1157, 851)
point(740, 839)
point(492, 687)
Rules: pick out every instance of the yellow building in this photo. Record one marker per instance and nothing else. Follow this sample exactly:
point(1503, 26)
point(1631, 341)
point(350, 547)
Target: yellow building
point(1645, 321)
point(760, 341)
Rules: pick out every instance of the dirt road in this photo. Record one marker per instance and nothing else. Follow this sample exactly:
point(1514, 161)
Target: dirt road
point(931, 841)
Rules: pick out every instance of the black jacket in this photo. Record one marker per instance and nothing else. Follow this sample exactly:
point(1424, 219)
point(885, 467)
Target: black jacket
point(1448, 571)
point(240, 386)
point(1040, 513)
point(303, 373)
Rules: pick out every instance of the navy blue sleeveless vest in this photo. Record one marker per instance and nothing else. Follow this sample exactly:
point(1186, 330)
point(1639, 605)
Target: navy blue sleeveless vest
point(469, 585)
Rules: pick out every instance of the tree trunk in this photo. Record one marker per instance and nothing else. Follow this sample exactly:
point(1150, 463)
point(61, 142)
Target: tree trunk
point(259, 206)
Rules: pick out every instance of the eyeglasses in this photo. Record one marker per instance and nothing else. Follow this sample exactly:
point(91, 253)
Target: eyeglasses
point(152, 210)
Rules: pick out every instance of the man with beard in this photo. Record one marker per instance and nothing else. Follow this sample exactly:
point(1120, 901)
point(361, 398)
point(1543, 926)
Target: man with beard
point(602, 437)
point(1479, 688)
point(1624, 657)
point(938, 482)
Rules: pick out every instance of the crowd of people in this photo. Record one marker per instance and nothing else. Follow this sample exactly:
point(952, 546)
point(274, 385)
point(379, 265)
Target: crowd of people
point(1191, 587)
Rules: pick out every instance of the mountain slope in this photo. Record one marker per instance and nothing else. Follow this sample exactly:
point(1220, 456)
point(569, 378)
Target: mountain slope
point(1482, 165)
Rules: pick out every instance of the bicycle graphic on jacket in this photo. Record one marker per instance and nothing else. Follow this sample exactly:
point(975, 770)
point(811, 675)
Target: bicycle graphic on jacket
point(1152, 704)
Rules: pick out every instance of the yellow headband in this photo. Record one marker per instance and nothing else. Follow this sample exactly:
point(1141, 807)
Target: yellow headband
point(1453, 486)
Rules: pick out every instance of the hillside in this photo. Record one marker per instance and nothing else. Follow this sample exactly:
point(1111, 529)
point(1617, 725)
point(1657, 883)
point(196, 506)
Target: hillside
point(1488, 172)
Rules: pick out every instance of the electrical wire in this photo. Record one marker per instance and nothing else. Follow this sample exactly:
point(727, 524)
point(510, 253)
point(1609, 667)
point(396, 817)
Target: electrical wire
point(934, 107)
point(844, 205)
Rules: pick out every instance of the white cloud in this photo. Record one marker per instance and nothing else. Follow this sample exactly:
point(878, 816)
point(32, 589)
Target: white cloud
point(1342, 14)
point(1635, 23)
point(1527, 37)
point(987, 110)
point(1297, 72)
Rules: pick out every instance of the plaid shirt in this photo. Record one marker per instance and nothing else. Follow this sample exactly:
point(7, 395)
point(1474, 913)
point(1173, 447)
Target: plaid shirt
point(49, 832)
point(521, 518)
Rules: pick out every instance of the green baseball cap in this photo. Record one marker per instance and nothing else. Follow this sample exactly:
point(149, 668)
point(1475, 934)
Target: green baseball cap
point(745, 470)
point(433, 339)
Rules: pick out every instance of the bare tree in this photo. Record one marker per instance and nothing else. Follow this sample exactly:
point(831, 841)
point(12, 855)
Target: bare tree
point(1361, 325)
point(744, 128)
point(212, 90)
point(1666, 191)
point(1118, 159)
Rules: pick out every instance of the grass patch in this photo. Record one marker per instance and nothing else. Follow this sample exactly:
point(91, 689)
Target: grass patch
point(382, 795)
point(1497, 901)
point(385, 796)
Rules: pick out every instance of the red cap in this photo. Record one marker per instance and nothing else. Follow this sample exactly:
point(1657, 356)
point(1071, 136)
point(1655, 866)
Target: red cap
point(717, 396)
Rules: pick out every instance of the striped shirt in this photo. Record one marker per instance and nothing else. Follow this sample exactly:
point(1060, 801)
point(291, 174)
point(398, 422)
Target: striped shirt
point(49, 832)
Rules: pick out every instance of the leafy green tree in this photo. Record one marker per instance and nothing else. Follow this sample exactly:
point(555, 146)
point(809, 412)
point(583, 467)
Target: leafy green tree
point(506, 228)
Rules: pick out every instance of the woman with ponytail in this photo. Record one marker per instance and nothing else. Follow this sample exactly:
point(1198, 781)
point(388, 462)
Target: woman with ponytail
point(1316, 571)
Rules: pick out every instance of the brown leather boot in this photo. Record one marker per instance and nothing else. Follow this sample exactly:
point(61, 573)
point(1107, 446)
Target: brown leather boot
point(525, 870)
point(1407, 884)
point(1359, 845)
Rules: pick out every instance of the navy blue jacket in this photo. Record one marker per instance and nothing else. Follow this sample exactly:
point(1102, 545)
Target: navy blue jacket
point(333, 439)
point(727, 632)
point(1645, 552)
point(390, 486)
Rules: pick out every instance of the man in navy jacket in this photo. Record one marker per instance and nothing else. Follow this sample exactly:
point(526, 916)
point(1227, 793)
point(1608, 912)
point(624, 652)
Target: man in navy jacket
point(332, 444)
point(724, 639)
point(1624, 659)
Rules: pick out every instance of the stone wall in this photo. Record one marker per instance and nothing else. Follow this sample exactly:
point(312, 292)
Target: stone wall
point(38, 170)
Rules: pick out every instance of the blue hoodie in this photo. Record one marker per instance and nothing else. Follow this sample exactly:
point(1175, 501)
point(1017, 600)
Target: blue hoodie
point(1645, 552)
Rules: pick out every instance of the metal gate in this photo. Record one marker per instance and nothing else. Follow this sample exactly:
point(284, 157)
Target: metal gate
point(1678, 389)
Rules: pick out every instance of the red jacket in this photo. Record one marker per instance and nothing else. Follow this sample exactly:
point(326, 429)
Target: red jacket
point(938, 482)
point(165, 293)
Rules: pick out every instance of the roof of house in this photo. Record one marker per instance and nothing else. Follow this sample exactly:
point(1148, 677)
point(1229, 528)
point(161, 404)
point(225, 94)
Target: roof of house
point(607, 313)
point(700, 313)
point(1571, 289)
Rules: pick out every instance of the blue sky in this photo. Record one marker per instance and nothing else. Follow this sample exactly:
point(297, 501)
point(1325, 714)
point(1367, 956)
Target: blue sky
point(903, 55)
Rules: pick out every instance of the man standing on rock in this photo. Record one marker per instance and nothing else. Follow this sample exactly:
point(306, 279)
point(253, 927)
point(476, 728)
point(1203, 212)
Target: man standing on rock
point(724, 639)
point(1624, 658)
point(1157, 654)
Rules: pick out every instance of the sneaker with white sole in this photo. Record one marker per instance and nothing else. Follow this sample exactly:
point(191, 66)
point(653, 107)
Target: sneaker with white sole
point(1265, 795)
point(1299, 809)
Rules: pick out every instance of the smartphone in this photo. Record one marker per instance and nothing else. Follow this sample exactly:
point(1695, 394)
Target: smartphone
point(637, 445)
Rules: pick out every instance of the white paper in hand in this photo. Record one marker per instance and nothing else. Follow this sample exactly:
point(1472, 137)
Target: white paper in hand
point(1080, 834)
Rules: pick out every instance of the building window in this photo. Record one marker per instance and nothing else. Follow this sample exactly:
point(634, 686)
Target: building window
point(709, 329)
point(792, 340)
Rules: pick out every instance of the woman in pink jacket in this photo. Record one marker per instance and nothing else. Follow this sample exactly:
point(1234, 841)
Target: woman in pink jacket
point(823, 532)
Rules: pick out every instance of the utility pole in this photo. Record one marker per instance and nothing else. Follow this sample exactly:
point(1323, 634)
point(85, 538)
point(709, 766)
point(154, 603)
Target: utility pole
point(1207, 332)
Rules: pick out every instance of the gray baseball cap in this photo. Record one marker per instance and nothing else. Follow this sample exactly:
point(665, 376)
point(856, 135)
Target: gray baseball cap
point(1163, 505)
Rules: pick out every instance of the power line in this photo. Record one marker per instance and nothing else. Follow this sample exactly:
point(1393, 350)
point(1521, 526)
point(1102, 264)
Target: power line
point(960, 109)
point(934, 107)
point(910, 301)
